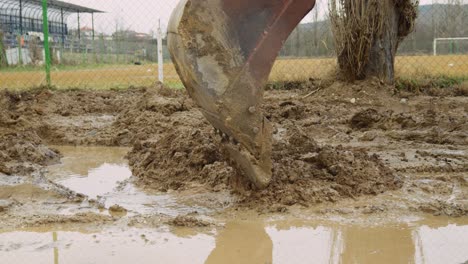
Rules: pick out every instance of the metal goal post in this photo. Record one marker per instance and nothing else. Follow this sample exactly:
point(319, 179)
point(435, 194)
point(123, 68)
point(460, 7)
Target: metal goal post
point(445, 39)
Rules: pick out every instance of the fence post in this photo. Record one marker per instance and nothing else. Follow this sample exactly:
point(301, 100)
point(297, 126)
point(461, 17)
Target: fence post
point(3, 57)
point(20, 51)
point(45, 28)
point(160, 54)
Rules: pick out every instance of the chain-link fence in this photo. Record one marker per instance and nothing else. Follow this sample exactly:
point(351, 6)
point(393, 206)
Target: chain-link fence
point(105, 44)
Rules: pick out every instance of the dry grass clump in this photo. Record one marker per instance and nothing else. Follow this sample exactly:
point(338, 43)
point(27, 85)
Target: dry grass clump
point(354, 25)
point(357, 24)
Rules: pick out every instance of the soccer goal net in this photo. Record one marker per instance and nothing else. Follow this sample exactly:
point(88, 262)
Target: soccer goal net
point(450, 46)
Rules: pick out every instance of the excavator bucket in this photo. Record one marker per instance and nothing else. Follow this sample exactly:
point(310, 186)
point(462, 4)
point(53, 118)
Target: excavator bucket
point(224, 51)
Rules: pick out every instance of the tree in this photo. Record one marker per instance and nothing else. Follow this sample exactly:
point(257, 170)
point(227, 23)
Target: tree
point(367, 34)
point(451, 24)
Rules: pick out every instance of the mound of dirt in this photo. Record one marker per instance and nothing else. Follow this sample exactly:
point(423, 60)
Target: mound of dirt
point(303, 172)
point(21, 149)
point(20, 153)
point(152, 115)
point(179, 160)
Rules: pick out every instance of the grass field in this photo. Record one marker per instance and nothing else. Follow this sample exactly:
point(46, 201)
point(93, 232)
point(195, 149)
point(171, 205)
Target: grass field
point(125, 75)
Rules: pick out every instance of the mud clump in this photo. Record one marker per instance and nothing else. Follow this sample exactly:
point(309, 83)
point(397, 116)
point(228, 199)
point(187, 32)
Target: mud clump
point(444, 208)
point(365, 119)
point(117, 210)
point(21, 149)
point(176, 160)
point(5, 205)
point(292, 110)
point(20, 153)
point(188, 221)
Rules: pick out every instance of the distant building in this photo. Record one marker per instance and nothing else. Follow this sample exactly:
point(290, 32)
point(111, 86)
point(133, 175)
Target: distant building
point(86, 32)
point(131, 35)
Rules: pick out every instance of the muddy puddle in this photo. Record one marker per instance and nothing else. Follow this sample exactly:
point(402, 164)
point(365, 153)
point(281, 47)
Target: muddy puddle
point(430, 240)
point(103, 174)
point(92, 171)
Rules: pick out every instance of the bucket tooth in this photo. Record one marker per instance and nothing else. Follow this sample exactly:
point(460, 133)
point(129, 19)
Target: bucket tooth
point(224, 50)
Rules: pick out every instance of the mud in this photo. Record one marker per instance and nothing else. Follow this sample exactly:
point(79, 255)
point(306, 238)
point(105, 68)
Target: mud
point(338, 149)
point(304, 173)
point(391, 189)
point(188, 221)
point(349, 161)
point(23, 152)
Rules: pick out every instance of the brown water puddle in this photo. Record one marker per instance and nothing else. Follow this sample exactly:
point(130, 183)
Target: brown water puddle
point(431, 240)
point(92, 171)
point(242, 238)
point(102, 173)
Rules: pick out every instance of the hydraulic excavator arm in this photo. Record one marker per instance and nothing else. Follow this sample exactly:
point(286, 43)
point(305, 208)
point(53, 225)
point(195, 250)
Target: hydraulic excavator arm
point(224, 51)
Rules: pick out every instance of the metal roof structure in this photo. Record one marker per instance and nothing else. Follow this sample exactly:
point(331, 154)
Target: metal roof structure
point(14, 13)
point(66, 7)
point(33, 8)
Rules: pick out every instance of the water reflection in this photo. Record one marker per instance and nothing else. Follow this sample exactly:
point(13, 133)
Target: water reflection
point(97, 171)
point(56, 255)
point(242, 242)
point(93, 171)
point(79, 160)
point(377, 245)
point(131, 246)
point(305, 244)
point(441, 245)
point(247, 241)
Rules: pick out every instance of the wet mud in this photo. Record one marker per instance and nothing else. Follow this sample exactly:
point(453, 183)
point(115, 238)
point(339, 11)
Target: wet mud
point(339, 150)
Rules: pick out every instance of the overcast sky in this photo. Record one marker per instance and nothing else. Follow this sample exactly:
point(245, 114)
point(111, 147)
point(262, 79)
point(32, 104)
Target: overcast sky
point(143, 15)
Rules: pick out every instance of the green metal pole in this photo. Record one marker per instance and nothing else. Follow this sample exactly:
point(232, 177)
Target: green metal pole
point(20, 37)
point(92, 23)
point(20, 50)
point(45, 28)
point(3, 60)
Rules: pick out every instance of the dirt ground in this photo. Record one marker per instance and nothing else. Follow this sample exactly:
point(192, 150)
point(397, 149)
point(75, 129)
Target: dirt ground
point(339, 149)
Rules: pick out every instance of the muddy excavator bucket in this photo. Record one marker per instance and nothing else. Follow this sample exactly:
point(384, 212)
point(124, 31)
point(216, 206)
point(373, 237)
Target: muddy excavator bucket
point(224, 51)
